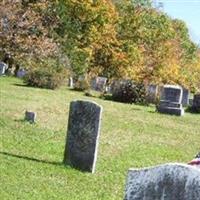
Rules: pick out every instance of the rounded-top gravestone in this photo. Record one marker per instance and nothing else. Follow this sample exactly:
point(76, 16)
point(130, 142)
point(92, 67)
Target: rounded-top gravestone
point(83, 135)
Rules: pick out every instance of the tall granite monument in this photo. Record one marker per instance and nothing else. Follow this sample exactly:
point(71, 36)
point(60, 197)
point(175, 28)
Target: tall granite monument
point(171, 100)
point(83, 135)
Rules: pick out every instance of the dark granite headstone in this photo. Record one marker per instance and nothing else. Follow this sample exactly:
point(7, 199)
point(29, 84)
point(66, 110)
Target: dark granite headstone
point(30, 116)
point(83, 135)
point(172, 94)
point(165, 182)
point(185, 98)
point(196, 103)
point(171, 100)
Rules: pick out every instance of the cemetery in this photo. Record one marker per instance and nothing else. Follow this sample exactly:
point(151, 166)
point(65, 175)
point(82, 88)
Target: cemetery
point(39, 161)
point(100, 100)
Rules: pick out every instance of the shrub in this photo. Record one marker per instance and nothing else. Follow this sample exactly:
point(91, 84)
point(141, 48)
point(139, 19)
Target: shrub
point(81, 85)
point(129, 92)
point(46, 77)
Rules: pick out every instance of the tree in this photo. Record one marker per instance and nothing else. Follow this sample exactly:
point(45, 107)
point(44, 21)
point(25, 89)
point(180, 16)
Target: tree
point(26, 29)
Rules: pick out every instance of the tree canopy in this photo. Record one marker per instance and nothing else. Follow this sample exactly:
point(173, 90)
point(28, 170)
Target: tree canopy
point(118, 39)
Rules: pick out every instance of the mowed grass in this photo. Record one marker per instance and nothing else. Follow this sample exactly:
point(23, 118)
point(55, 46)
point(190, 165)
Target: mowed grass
point(131, 136)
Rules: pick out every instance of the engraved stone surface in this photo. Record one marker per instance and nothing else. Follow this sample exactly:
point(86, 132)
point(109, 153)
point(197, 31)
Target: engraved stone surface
point(171, 100)
point(172, 93)
point(30, 116)
point(83, 135)
point(171, 181)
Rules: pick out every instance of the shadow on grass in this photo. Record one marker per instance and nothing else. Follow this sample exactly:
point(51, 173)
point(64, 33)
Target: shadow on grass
point(29, 86)
point(151, 111)
point(21, 85)
point(31, 159)
point(192, 110)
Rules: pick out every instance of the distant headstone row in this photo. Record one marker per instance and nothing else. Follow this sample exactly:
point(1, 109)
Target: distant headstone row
point(164, 182)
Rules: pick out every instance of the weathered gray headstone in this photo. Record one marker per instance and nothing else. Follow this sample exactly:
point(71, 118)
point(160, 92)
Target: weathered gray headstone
point(196, 103)
point(83, 135)
point(171, 100)
point(21, 73)
point(3, 67)
point(115, 86)
point(185, 98)
point(99, 83)
point(30, 116)
point(171, 181)
point(152, 93)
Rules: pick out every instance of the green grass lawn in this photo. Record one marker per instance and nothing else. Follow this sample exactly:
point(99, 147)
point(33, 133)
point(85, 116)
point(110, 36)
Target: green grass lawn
point(131, 136)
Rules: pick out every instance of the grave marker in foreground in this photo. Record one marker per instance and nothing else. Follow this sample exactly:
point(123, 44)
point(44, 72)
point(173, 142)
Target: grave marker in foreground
point(171, 181)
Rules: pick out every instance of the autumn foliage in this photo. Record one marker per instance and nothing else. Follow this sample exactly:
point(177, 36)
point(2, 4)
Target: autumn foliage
point(117, 39)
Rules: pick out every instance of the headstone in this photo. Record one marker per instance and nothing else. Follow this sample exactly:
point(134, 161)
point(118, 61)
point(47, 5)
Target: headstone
point(30, 116)
point(171, 100)
point(99, 83)
point(116, 85)
point(21, 73)
point(83, 135)
point(185, 99)
point(190, 102)
point(171, 181)
point(196, 103)
point(3, 67)
point(71, 82)
point(152, 93)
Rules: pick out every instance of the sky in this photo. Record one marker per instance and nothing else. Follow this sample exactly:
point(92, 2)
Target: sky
point(188, 11)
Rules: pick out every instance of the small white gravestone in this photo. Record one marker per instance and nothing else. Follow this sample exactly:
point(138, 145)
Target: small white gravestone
point(171, 181)
point(71, 82)
point(3, 67)
point(30, 116)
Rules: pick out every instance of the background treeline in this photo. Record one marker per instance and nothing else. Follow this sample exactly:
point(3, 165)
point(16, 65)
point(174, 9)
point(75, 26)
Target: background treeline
point(118, 39)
